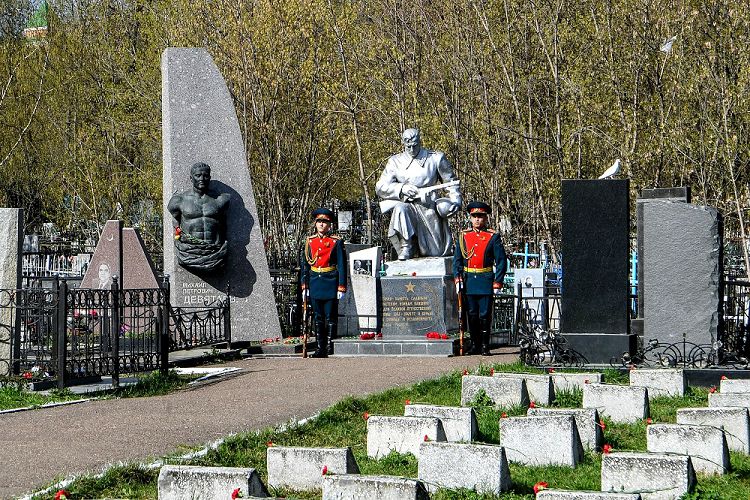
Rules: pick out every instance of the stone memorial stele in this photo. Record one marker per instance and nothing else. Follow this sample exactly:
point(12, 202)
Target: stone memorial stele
point(11, 225)
point(595, 317)
point(120, 252)
point(682, 269)
point(200, 126)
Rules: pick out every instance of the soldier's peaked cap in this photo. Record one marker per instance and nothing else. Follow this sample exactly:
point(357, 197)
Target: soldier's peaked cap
point(477, 207)
point(322, 214)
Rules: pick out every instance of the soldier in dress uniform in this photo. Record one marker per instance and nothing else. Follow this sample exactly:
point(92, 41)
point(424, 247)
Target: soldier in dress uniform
point(323, 279)
point(479, 264)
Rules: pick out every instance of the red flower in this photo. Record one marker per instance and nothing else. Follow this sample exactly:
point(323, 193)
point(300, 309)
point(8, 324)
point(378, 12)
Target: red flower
point(28, 376)
point(325, 470)
point(492, 371)
point(365, 415)
point(93, 313)
point(532, 405)
point(407, 402)
point(586, 381)
point(712, 389)
point(551, 370)
point(648, 421)
point(466, 372)
point(426, 438)
point(236, 493)
point(269, 443)
point(444, 336)
point(724, 377)
point(62, 495)
point(541, 485)
point(379, 335)
point(606, 449)
point(504, 415)
point(414, 273)
point(601, 424)
point(367, 336)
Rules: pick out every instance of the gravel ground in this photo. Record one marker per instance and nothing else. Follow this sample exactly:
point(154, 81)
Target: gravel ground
point(39, 445)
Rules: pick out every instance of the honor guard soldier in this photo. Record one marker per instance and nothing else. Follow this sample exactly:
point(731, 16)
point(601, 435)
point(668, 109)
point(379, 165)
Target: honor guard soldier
point(479, 264)
point(323, 279)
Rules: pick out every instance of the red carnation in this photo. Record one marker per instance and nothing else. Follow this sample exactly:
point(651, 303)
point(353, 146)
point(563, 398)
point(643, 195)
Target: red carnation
point(712, 389)
point(606, 449)
point(648, 420)
point(62, 495)
point(504, 415)
point(551, 370)
point(444, 336)
point(27, 375)
point(426, 438)
point(466, 372)
point(724, 377)
point(541, 485)
point(407, 402)
point(414, 273)
point(532, 405)
point(325, 470)
point(236, 493)
point(601, 424)
point(586, 381)
point(269, 443)
point(492, 371)
point(365, 415)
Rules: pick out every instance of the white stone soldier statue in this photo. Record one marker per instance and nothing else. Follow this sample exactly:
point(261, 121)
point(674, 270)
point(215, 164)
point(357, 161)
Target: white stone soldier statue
point(409, 186)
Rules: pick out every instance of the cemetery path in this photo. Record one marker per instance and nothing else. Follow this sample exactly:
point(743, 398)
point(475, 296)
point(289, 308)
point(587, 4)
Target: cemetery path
point(37, 446)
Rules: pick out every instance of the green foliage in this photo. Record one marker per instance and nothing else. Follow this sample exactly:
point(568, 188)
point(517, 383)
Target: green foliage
point(18, 397)
point(129, 481)
point(153, 384)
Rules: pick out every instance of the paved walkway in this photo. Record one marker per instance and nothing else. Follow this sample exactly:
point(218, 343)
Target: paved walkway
point(37, 446)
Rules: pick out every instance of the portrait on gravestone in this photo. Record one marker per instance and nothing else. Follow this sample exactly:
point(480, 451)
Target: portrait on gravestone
point(408, 187)
point(363, 267)
point(200, 241)
point(105, 277)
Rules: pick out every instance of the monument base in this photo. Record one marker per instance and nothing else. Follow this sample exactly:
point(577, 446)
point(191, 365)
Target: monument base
point(413, 306)
point(600, 348)
point(403, 346)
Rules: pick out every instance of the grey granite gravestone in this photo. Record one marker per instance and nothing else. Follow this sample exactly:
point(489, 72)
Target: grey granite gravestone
point(199, 124)
point(122, 253)
point(413, 306)
point(676, 194)
point(681, 272)
point(595, 317)
point(11, 226)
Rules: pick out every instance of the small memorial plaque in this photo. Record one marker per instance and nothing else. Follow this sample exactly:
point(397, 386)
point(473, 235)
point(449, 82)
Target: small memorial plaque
point(415, 306)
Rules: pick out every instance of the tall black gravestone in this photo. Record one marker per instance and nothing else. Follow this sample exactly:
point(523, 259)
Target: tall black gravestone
point(595, 316)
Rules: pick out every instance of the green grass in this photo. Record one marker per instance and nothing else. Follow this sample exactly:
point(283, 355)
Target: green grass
point(152, 384)
point(343, 424)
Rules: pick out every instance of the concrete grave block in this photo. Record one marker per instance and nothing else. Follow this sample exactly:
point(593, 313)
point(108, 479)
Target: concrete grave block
point(459, 424)
point(541, 440)
point(735, 421)
point(741, 399)
point(655, 476)
point(401, 434)
point(706, 446)
point(177, 482)
point(587, 423)
point(584, 495)
point(504, 392)
point(621, 403)
point(660, 382)
point(734, 385)
point(482, 468)
point(356, 487)
point(572, 381)
point(302, 468)
point(539, 387)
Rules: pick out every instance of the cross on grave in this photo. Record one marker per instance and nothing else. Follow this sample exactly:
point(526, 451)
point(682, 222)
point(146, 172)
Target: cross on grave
point(525, 254)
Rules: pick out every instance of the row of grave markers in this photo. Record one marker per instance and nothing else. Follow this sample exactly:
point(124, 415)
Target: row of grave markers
point(442, 440)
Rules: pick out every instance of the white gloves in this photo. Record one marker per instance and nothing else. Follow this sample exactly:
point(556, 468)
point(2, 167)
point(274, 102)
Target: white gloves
point(340, 295)
point(458, 287)
point(497, 291)
point(306, 293)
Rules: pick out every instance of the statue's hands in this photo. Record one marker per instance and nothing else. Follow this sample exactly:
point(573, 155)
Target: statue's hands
point(410, 191)
point(453, 209)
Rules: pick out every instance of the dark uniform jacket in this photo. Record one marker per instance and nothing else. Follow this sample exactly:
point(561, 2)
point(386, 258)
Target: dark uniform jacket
point(323, 266)
point(475, 254)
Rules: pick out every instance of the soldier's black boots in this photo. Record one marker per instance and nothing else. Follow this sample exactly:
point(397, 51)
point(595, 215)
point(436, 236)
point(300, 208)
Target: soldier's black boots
point(485, 325)
point(321, 341)
point(476, 336)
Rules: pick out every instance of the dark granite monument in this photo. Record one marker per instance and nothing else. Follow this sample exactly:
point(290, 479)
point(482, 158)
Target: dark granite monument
point(595, 319)
point(199, 125)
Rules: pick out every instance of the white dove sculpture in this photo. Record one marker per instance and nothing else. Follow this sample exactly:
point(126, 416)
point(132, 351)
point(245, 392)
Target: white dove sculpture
point(611, 171)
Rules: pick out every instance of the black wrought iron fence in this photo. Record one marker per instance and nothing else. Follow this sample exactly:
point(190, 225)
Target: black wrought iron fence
point(196, 327)
point(288, 300)
point(735, 333)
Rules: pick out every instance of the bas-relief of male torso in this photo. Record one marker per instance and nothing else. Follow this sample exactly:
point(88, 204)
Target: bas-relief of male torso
point(202, 215)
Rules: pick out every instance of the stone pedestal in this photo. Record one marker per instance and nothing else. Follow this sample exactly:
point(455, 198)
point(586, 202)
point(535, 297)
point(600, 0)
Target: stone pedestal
point(412, 306)
point(595, 319)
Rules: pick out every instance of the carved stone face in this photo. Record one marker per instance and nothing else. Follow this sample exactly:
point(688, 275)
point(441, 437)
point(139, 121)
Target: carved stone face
point(201, 178)
point(412, 142)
